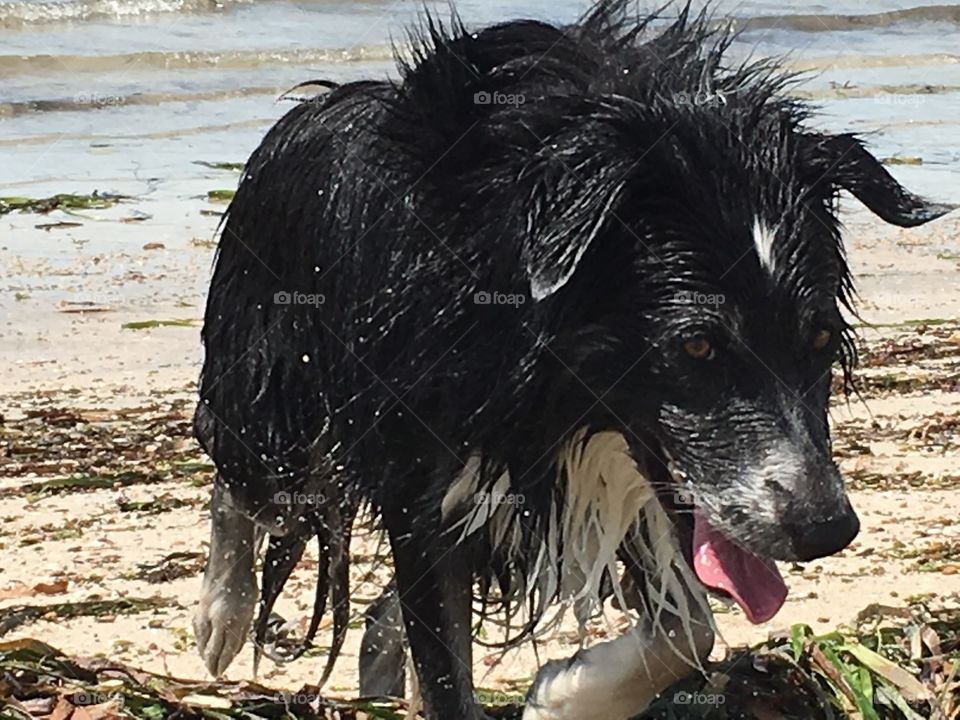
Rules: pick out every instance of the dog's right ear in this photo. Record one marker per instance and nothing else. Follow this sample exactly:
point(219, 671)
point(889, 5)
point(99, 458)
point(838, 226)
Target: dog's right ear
point(847, 164)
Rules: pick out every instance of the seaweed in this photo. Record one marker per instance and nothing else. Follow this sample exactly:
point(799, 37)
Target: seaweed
point(892, 666)
point(71, 483)
point(150, 324)
point(231, 166)
point(172, 567)
point(902, 160)
point(61, 201)
point(17, 615)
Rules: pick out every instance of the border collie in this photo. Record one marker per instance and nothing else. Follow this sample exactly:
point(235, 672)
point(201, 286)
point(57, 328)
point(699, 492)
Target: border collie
point(558, 305)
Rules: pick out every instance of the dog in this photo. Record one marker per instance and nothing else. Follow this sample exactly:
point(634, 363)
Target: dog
point(559, 305)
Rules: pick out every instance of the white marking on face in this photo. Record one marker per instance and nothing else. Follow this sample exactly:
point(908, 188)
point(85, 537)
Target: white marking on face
point(783, 465)
point(763, 237)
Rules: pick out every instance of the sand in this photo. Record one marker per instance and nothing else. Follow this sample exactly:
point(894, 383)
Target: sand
point(900, 449)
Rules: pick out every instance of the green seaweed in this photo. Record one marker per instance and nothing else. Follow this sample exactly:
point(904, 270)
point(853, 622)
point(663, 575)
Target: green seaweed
point(69, 483)
point(902, 160)
point(61, 201)
point(150, 324)
point(868, 672)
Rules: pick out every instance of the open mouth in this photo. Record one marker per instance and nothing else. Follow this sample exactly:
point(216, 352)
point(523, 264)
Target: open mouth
point(722, 565)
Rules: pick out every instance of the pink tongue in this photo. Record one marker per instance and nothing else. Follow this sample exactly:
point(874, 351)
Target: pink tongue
point(754, 583)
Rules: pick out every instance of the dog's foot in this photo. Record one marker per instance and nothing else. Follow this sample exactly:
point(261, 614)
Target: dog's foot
point(550, 692)
point(222, 622)
point(613, 680)
point(229, 594)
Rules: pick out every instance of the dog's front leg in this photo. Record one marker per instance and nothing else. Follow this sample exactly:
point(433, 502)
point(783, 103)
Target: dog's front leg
point(228, 596)
point(433, 583)
point(617, 679)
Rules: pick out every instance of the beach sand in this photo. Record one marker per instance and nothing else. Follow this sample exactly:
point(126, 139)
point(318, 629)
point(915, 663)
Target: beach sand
point(81, 395)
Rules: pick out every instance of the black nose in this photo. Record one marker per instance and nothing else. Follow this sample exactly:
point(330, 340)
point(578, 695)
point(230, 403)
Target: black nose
point(819, 539)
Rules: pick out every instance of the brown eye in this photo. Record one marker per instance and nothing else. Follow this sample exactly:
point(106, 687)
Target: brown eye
point(698, 348)
point(821, 339)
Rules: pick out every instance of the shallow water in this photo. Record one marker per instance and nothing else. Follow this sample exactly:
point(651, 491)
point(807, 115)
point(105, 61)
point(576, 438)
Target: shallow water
point(124, 95)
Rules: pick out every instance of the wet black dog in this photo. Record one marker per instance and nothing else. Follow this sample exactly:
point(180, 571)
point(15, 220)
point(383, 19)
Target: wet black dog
point(560, 303)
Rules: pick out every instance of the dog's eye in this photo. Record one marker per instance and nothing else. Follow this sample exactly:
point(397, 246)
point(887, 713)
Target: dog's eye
point(821, 339)
point(698, 348)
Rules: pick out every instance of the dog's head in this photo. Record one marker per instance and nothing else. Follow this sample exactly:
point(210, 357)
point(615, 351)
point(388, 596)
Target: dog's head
point(701, 242)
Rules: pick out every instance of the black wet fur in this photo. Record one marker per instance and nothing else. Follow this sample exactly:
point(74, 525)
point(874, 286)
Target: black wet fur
point(601, 200)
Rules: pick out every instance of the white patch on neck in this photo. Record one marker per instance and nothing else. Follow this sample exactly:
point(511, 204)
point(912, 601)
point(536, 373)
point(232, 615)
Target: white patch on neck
point(606, 493)
point(763, 237)
point(609, 503)
point(607, 497)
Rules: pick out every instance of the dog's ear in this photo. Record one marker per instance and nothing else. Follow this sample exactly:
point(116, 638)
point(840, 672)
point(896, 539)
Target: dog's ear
point(563, 219)
point(845, 162)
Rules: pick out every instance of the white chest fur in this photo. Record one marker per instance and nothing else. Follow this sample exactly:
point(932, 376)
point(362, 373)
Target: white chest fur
point(607, 497)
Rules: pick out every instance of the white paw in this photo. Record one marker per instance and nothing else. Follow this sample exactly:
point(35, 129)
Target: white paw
point(222, 622)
